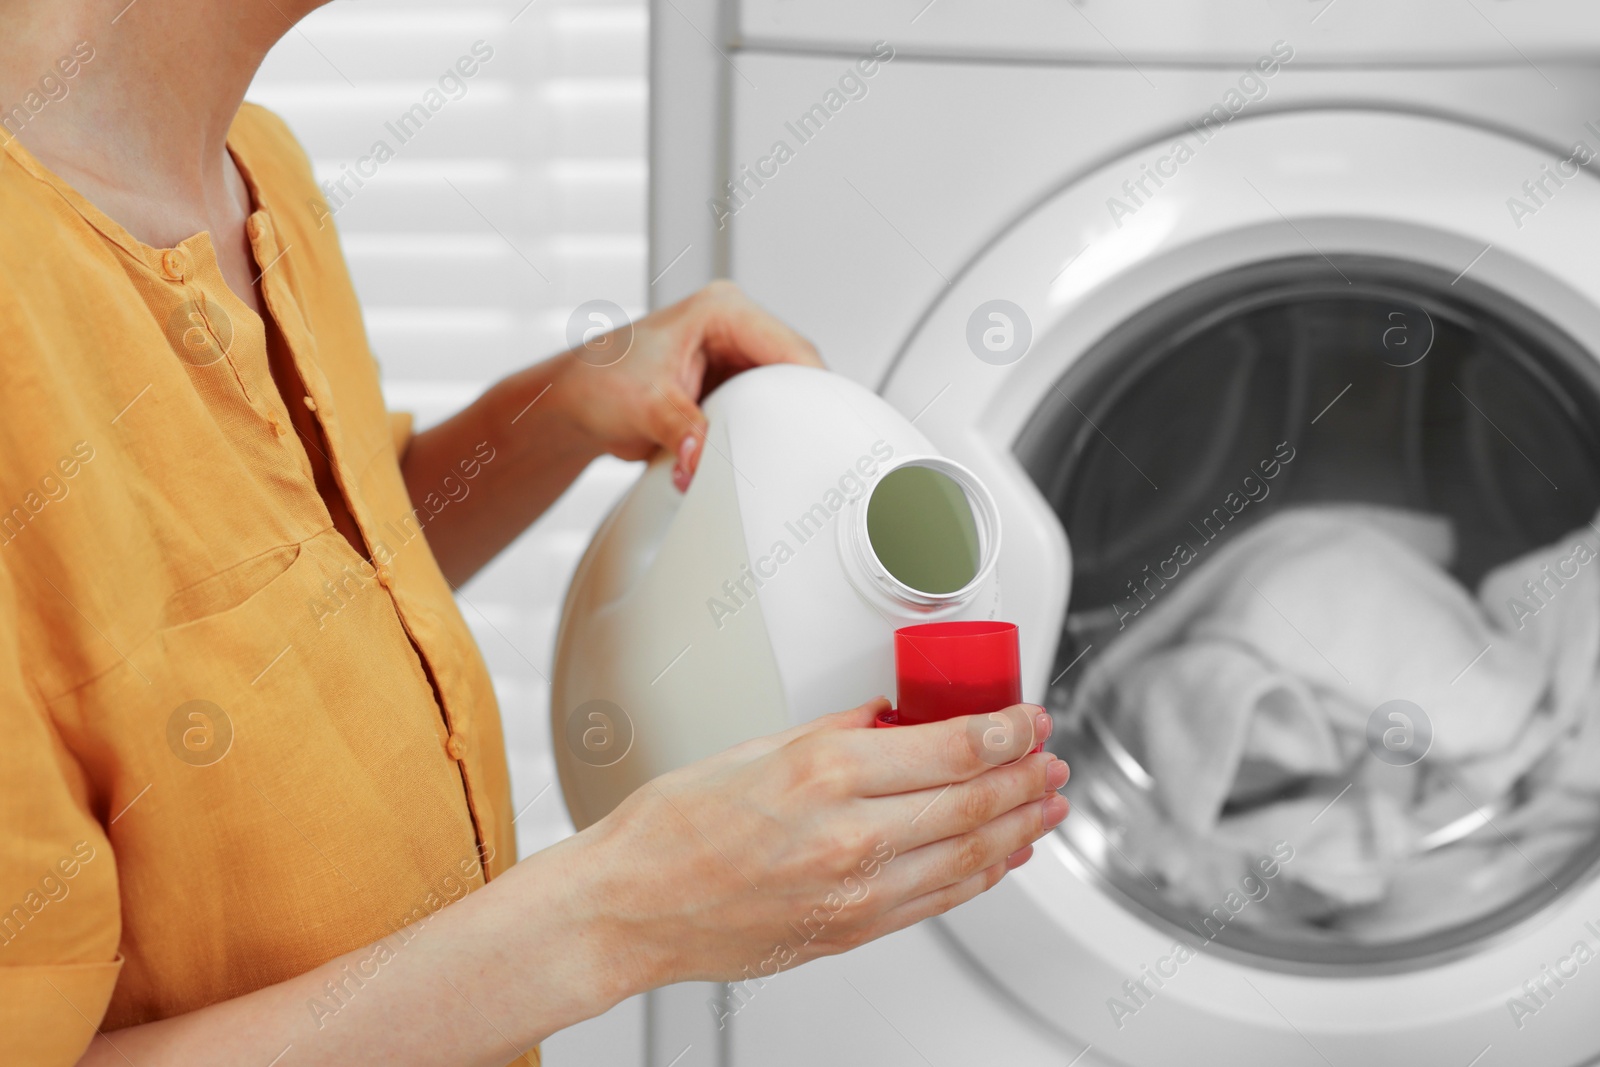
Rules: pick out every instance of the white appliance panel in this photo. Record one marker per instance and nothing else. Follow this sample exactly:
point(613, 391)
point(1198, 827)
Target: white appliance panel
point(871, 220)
point(1358, 32)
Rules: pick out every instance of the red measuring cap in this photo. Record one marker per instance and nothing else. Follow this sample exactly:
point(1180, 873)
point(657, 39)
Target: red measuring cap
point(948, 669)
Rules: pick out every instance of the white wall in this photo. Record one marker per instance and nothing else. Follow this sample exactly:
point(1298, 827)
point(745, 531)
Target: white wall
point(522, 196)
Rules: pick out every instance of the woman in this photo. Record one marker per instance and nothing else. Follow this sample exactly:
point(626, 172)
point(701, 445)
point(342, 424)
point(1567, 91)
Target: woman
point(256, 803)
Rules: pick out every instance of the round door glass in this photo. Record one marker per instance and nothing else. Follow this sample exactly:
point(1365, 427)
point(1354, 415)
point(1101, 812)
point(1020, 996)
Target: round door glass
point(1330, 678)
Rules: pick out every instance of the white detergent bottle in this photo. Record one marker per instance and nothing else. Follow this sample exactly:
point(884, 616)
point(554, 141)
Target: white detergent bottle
point(820, 520)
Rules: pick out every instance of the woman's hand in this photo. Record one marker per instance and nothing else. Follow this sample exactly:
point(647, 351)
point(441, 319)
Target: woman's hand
point(638, 388)
point(627, 392)
point(817, 840)
point(777, 851)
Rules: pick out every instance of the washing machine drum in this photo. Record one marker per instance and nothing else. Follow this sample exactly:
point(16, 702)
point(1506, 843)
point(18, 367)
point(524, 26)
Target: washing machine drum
point(1383, 394)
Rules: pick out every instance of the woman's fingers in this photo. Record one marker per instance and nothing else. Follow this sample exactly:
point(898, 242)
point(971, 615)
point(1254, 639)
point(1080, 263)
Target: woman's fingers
point(736, 333)
point(757, 747)
point(1019, 857)
point(936, 902)
point(863, 830)
point(860, 716)
point(929, 815)
point(731, 333)
point(673, 420)
point(954, 860)
point(857, 717)
point(933, 755)
point(649, 399)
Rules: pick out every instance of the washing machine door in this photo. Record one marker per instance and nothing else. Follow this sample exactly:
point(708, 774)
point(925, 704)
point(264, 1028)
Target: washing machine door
point(1380, 309)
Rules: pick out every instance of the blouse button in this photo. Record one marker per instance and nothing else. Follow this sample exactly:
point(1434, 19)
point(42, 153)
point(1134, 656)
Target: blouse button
point(277, 426)
point(256, 227)
point(385, 575)
point(172, 264)
point(311, 405)
point(455, 747)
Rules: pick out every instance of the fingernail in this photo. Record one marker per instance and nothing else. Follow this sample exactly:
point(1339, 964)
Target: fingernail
point(1055, 810)
point(1057, 774)
point(1042, 725)
point(686, 450)
point(1019, 857)
point(680, 478)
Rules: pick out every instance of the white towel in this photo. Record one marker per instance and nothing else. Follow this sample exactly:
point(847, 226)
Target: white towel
point(1263, 667)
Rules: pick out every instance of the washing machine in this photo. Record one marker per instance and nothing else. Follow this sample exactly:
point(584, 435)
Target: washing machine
point(1113, 258)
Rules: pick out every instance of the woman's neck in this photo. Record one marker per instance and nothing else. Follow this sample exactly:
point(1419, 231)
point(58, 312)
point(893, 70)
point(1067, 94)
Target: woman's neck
point(131, 103)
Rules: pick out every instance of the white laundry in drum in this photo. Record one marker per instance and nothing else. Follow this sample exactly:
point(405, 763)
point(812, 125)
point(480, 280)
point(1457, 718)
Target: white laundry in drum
point(1323, 680)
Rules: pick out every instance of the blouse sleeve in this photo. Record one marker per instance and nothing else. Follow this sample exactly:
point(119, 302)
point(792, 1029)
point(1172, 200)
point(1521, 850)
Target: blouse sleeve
point(59, 912)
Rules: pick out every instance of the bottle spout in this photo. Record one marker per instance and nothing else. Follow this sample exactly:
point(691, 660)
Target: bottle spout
point(924, 538)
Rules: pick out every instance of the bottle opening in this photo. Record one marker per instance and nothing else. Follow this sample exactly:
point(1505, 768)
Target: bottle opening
point(923, 540)
point(921, 527)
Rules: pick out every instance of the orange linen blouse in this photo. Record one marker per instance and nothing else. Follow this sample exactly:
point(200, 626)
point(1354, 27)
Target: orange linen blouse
point(233, 747)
